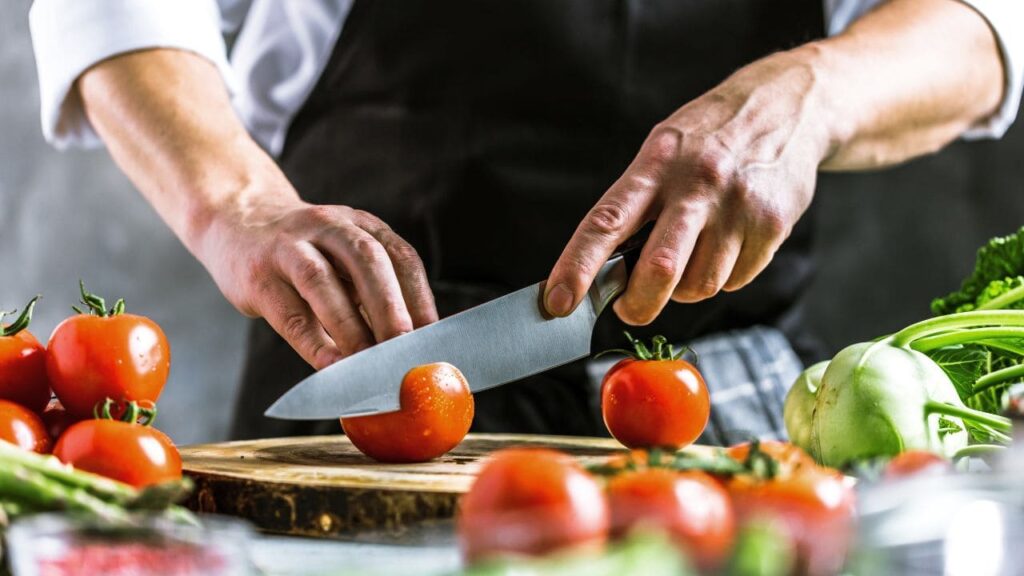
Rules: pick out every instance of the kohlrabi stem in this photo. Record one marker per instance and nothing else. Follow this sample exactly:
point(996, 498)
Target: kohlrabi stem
point(965, 336)
point(1003, 300)
point(978, 450)
point(972, 319)
point(969, 415)
point(994, 434)
point(1004, 345)
point(993, 379)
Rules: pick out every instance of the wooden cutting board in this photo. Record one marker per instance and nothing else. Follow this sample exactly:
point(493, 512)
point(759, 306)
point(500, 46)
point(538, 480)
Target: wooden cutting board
point(322, 486)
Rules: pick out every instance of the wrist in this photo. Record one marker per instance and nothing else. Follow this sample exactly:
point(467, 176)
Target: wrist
point(834, 122)
point(251, 193)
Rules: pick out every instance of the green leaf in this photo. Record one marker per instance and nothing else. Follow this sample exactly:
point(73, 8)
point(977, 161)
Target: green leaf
point(964, 365)
point(1001, 259)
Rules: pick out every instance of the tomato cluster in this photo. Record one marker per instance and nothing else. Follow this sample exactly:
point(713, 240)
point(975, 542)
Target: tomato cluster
point(97, 358)
point(533, 501)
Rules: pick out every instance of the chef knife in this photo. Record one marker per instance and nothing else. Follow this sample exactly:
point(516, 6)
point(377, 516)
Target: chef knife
point(495, 343)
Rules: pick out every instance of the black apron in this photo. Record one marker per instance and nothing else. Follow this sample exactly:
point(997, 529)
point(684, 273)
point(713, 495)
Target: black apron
point(483, 131)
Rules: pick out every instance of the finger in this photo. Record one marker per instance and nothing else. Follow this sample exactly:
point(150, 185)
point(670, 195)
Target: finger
point(712, 263)
point(617, 215)
point(373, 275)
point(661, 264)
point(290, 316)
point(412, 276)
point(318, 284)
point(755, 255)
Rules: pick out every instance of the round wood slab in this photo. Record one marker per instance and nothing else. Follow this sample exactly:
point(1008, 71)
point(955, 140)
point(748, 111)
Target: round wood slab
point(322, 486)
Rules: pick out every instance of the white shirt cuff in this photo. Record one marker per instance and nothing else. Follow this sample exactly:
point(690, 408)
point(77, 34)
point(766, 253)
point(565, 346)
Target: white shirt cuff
point(70, 36)
point(1006, 18)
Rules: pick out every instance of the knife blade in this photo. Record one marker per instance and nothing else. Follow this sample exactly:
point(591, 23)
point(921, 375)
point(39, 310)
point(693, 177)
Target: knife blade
point(498, 342)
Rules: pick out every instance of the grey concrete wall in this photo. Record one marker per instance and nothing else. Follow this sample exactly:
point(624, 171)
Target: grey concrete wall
point(889, 241)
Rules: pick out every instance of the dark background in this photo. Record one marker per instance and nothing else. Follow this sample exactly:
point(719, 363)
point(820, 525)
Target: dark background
point(888, 242)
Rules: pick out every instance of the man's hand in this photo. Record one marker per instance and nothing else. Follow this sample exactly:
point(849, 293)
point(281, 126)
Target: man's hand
point(330, 280)
point(727, 176)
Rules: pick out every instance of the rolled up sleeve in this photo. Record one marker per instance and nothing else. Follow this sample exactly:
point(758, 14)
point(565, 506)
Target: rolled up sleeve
point(70, 36)
point(1006, 18)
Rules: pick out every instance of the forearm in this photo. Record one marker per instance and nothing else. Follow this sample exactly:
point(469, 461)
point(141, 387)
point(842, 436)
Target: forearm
point(167, 121)
point(903, 81)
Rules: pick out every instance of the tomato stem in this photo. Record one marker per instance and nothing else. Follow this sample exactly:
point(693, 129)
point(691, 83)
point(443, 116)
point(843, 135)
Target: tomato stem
point(23, 320)
point(759, 463)
point(134, 412)
point(97, 305)
point(660, 349)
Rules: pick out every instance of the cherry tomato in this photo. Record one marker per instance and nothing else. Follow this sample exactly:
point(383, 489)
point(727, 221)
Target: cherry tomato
point(106, 354)
point(814, 504)
point(23, 428)
point(531, 501)
point(691, 506)
point(916, 463)
point(655, 400)
point(131, 453)
point(436, 413)
point(23, 364)
point(57, 419)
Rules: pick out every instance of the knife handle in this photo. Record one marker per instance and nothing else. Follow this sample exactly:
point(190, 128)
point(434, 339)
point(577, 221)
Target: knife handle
point(630, 249)
point(613, 278)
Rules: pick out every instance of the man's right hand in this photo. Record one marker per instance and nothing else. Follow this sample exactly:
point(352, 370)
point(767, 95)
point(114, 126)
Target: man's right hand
point(331, 280)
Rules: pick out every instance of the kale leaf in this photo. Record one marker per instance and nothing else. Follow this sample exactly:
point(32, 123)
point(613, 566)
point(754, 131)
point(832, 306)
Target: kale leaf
point(998, 269)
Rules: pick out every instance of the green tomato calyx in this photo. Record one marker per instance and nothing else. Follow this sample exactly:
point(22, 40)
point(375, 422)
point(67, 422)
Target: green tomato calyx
point(97, 305)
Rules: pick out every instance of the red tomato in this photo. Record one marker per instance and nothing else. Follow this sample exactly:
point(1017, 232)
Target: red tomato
point(655, 403)
point(915, 463)
point(814, 504)
point(691, 506)
point(531, 501)
point(23, 364)
point(119, 356)
point(57, 419)
point(435, 415)
point(131, 453)
point(23, 428)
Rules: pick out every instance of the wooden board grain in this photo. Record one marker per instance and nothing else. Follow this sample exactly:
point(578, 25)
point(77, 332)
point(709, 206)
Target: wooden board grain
point(322, 486)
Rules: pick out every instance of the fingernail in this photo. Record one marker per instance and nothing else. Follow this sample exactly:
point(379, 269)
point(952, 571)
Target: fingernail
point(559, 302)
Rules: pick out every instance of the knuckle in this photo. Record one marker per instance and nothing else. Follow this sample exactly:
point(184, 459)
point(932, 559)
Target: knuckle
point(321, 214)
point(367, 249)
point(608, 218)
point(663, 264)
point(364, 218)
point(665, 141)
point(258, 274)
point(696, 290)
point(706, 288)
point(311, 271)
point(404, 254)
point(712, 168)
point(775, 224)
point(295, 327)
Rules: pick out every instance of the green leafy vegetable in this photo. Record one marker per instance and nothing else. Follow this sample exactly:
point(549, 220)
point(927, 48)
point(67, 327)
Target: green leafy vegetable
point(647, 553)
point(998, 272)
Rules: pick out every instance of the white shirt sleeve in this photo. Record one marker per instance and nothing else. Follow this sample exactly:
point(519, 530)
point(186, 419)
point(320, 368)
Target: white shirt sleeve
point(1005, 17)
point(69, 36)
